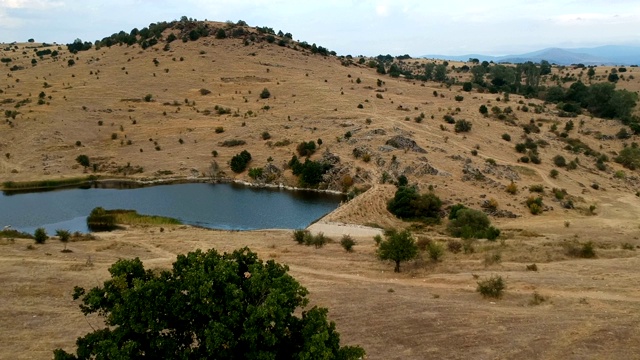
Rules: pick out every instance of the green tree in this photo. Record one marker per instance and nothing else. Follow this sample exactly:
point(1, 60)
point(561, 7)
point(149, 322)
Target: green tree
point(440, 73)
point(221, 34)
point(470, 223)
point(40, 235)
point(64, 236)
point(265, 94)
point(230, 306)
point(83, 160)
point(467, 86)
point(483, 110)
point(239, 162)
point(407, 203)
point(478, 74)
point(397, 247)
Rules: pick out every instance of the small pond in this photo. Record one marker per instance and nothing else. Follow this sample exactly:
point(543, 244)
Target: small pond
point(217, 206)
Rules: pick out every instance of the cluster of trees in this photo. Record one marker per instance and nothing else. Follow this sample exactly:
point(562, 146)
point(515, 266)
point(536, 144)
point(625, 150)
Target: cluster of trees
point(408, 204)
point(310, 172)
point(601, 99)
point(470, 224)
point(240, 161)
point(229, 306)
point(101, 220)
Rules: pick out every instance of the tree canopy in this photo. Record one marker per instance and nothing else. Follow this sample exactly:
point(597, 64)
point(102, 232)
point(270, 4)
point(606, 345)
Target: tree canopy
point(230, 306)
point(397, 247)
point(407, 203)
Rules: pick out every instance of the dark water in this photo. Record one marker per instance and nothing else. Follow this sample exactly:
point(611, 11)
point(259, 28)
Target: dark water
point(218, 206)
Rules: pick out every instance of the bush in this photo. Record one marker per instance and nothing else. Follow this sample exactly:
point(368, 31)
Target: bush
point(454, 246)
point(532, 267)
point(512, 188)
point(239, 162)
point(492, 287)
point(585, 251)
point(40, 235)
point(219, 130)
point(435, 250)
point(298, 235)
point(83, 160)
point(266, 135)
point(554, 173)
point(347, 243)
point(559, 161)
point(233, 142)
point(483, 110)
point(265, 94)
point(534, 205)
point(470, 223)
point(453, 212)
point(459, 98)
point(408, 204)
point(537, 188)
point(462, 126)
point(306, 148)
point(467, 86)
point(629, 157)
point(506, 137)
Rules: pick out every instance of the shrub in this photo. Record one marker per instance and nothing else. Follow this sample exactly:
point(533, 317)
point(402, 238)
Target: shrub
point(265, 94)
point(255, 173)
point(492, 287)
point(483, 110)
point(449, 119)
point(585, 251)
point(40, 235)
point(470, 223)
point(435, 250)
point(64, 236)
point(492, 258)
point(534, 205)
point(506, 137)
point(532, 267)
point(83, 160)
point(467, 86)
point(559, 161)
point(306, 148)
point(233, 142)
point(266, 135)
point(454, 246)
point(148, 98)
point(239, 162)
point(408, 204)
point(629, 157)
point(512, 188)
point(462, 126)
point(219, 130)
point(537, 188)
point(205, 92)
point(554, 173)
point(459, 98)
point(453, 212)
point(298, 235)
point(347, 243)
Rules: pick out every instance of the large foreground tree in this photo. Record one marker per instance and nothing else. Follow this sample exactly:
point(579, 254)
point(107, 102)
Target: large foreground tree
point(209, 306)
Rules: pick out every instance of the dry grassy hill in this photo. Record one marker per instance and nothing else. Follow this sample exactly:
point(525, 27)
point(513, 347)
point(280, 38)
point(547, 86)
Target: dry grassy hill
point(161, 112)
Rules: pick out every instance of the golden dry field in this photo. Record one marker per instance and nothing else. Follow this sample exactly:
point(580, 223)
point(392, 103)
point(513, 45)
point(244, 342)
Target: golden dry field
point(585, 308)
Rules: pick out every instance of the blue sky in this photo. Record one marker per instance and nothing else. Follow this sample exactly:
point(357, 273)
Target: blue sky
point(356, 27)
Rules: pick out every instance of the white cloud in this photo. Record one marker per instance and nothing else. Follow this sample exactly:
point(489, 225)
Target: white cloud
point(30, 4)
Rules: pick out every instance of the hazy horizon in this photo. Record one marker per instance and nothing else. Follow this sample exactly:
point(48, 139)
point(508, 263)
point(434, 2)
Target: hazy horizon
point(457, 27)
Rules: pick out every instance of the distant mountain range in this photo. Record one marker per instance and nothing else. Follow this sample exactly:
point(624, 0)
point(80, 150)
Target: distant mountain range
point(602, 55)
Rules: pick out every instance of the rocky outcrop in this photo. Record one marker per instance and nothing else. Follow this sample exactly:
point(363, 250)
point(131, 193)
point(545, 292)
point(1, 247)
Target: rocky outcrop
point(404, 143)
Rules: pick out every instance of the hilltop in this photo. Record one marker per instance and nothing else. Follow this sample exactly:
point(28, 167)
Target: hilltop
point(181, 100)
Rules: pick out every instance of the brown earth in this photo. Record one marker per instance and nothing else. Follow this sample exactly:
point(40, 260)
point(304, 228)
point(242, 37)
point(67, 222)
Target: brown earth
point(430, 310)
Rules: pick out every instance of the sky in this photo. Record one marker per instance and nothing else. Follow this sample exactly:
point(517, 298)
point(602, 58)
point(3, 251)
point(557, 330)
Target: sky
point(355, 27)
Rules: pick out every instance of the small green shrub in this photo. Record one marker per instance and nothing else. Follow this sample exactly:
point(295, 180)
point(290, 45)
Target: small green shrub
point(537, 299)
point(462, 126)
point(492, 287)
point(537, 188)
point(40, 235)
point(506, 137)
point(299, 235)
point(435, 251)
point(347, 243)
point(532, 267)
point(265, 94)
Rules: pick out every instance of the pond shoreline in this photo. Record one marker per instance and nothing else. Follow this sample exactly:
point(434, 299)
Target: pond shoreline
point(93, 181)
